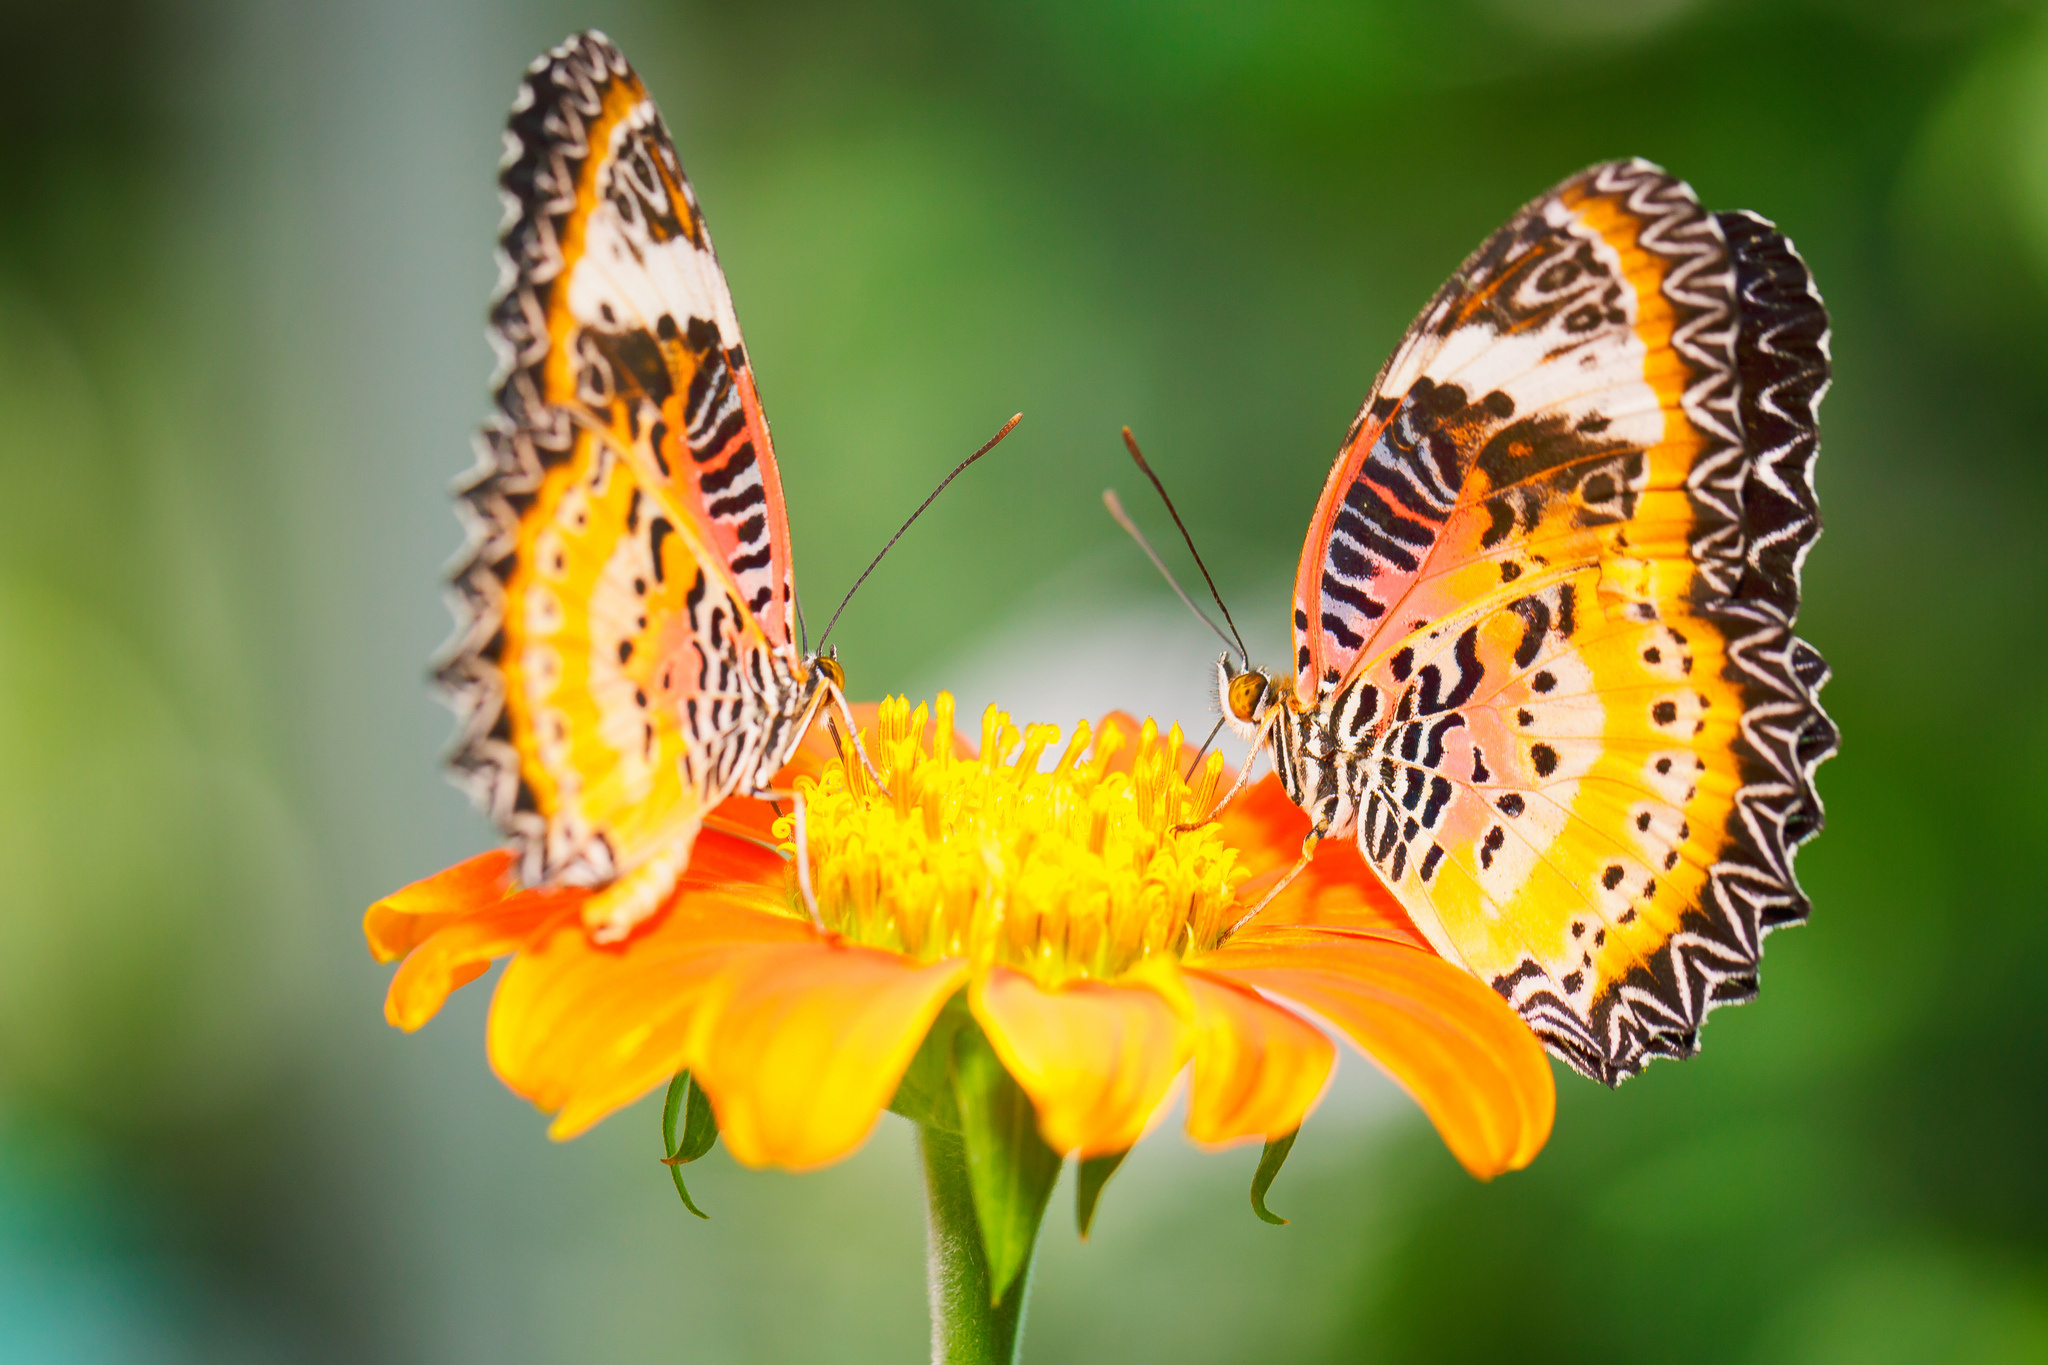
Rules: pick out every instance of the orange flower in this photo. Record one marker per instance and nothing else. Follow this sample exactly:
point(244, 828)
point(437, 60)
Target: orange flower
point(1090, 933)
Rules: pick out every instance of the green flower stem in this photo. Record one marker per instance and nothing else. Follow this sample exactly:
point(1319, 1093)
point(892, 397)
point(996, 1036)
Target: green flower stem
point(966, 1328)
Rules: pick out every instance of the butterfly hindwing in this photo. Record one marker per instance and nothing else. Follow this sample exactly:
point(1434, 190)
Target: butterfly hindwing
point(627, 593)
point(1558, 560)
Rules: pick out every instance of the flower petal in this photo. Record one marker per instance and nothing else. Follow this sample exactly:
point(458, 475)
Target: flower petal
point(722, 858)
point(409, 916)
point(585, 1029)
point(807, 1042)
point(460, 952)
point(1264, 826)
point(1455, 1045)
point(1337, 888)
point(1095, 1057)
point(744, 817)
point(1258, 1068)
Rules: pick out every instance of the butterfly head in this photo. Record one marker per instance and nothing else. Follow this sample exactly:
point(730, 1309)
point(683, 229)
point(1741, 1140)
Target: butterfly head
point(1247, 695)
point(827, 665)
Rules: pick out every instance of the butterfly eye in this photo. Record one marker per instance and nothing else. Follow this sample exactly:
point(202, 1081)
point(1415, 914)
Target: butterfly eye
point(829, 666)
point(1247, 693)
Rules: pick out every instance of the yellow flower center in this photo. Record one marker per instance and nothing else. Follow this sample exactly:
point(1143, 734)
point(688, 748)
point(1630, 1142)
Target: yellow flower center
point(1077, 871)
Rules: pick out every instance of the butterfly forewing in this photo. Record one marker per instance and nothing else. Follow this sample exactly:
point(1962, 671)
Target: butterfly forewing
point(1556, 565)
point(626, 654)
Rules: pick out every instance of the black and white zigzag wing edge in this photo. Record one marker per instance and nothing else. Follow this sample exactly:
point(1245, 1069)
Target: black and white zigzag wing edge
point(1754, 334)
point(546, 146)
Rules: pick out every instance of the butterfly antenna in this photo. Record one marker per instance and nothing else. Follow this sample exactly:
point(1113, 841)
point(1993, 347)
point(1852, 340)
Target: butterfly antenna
point(1123, 519)
point(1131, 444)
point(1200, 753)
point(958, 469)
point(803, 641)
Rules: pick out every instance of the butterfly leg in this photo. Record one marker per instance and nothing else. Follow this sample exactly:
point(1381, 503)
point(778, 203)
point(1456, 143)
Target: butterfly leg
point(1244, 775)
point(823, 700)
point(838, 699)
point(1308, 853)
point(803, 866)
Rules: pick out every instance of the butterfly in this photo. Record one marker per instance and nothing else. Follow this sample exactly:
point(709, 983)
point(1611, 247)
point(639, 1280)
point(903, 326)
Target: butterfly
point(1545, 672)
point(624, 661)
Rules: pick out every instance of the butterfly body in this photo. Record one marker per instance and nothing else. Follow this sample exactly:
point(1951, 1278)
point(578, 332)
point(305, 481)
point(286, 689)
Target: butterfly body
point(625, 660)
point(1544, 673)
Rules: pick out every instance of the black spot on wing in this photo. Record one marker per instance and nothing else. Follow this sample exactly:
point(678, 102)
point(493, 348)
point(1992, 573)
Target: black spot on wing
point(658, 531)
point(1535, 614)
point(1496, 836)
point(1470, 672)
point(637, 356)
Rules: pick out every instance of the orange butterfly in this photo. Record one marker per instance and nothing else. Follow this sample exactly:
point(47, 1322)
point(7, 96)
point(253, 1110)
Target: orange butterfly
point(1544, 667)
point(625, 661)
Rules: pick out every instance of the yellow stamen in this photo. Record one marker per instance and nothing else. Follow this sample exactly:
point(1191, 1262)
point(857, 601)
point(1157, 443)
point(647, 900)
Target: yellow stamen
point(1073, 872)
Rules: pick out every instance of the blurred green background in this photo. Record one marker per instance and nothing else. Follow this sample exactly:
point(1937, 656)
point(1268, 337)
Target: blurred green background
point(244, 254)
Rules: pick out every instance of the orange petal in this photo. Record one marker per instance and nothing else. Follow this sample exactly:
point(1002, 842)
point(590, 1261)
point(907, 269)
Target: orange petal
point(1258, 1068)
point(743, 816)
point(1456, 1046)
point(1095, 1057)
point(1264, 826)
point(409, 916)
point(584, 1030)
point(807, 1042)
point(461, 951)
point(1339, 889)
point(724, 859)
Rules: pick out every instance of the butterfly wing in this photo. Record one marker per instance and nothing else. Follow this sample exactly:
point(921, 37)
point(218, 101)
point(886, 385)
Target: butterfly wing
point(1558, 562)
point(629, 570)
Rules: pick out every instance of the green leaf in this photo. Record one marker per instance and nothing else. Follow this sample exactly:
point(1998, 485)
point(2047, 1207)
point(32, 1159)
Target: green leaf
point(925, 1094)
point(686, 1100)
point(1009, 1168)
point(1094, 1174)
point(1270, 1162)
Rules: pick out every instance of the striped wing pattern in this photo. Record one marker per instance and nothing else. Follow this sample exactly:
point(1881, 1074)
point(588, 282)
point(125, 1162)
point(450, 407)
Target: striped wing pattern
point(1546, 673)
point(623, 660)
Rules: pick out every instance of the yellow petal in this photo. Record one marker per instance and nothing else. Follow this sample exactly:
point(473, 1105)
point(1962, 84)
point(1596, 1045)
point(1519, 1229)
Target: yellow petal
point(1258, 1068)
point(582, 1030)
point(806, 1043)
point(460, 952)
point(1096, 1058)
